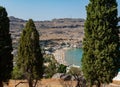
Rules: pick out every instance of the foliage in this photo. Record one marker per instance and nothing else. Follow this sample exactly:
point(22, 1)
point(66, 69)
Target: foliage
point(51, 68)
point(75, 71)
point(101, 43)
point(30, 59)
point(61, 68)
point(17, 74)
point(6, 57)
point(78, 75)
point(49, 58)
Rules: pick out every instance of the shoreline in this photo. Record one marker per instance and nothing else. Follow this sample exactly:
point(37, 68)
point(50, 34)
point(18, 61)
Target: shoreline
point(59, 55)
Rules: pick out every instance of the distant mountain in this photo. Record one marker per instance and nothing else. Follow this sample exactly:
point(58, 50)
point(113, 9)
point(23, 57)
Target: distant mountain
point(14, 19)
point(54, 32)
point(17, 23)
point(62, 23)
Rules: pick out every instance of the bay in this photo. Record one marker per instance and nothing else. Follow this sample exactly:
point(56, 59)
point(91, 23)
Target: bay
point(73, 56)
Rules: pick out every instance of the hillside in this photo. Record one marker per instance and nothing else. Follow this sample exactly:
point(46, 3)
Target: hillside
point(52, 33)
point(55, 23)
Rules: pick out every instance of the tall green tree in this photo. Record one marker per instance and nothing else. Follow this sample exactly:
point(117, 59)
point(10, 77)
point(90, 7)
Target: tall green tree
point(30, 59)
point(6, 57)
point(101, 42)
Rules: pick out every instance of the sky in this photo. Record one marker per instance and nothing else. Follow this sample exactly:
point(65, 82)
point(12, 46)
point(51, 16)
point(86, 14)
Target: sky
point(47, 9)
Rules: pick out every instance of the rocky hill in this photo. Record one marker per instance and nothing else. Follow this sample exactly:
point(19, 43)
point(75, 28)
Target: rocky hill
point(55, 23)
point(64, 30)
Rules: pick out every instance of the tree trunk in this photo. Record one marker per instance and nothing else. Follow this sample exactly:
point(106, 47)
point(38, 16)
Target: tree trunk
point(98, 85)
point(30, 83)
point(78, 83)
point(1, 84)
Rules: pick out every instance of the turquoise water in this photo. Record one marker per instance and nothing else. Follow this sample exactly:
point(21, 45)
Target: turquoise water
point(73, 56)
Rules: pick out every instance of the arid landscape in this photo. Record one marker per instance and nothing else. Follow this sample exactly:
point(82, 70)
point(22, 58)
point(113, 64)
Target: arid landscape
point(68, 30)
point(53, 83)
point(60, 43)
point(55, 31)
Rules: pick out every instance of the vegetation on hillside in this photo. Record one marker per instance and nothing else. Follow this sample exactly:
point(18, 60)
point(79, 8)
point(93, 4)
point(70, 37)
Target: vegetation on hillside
point(101, 55)
point(52, 67)
point(78, 75)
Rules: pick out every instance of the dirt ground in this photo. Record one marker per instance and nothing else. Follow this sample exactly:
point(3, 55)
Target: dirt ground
point(44, 83)
point(53, 83)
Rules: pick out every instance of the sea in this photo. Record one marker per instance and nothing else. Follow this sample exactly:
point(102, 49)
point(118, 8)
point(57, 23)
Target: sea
point(73, 56)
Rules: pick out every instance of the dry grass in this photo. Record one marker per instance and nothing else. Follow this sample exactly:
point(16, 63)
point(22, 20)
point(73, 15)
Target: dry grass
point(55, 83)
point(116, 82)
point(45, 83)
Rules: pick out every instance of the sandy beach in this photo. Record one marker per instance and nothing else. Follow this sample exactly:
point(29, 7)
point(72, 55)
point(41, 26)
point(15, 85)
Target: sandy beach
point(60, 55)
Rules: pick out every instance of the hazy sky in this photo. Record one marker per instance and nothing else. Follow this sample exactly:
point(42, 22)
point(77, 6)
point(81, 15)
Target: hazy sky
point(47, 9)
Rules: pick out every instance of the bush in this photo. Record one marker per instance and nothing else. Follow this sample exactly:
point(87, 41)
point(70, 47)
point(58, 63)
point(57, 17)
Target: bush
point(62, 68)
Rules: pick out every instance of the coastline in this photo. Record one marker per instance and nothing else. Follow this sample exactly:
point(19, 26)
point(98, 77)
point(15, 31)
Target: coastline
point(59, 55)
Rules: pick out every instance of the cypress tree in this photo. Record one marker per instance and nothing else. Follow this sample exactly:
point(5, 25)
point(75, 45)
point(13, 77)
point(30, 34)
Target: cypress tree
point(6, 57)
point(30, 59)
point(101, 42)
